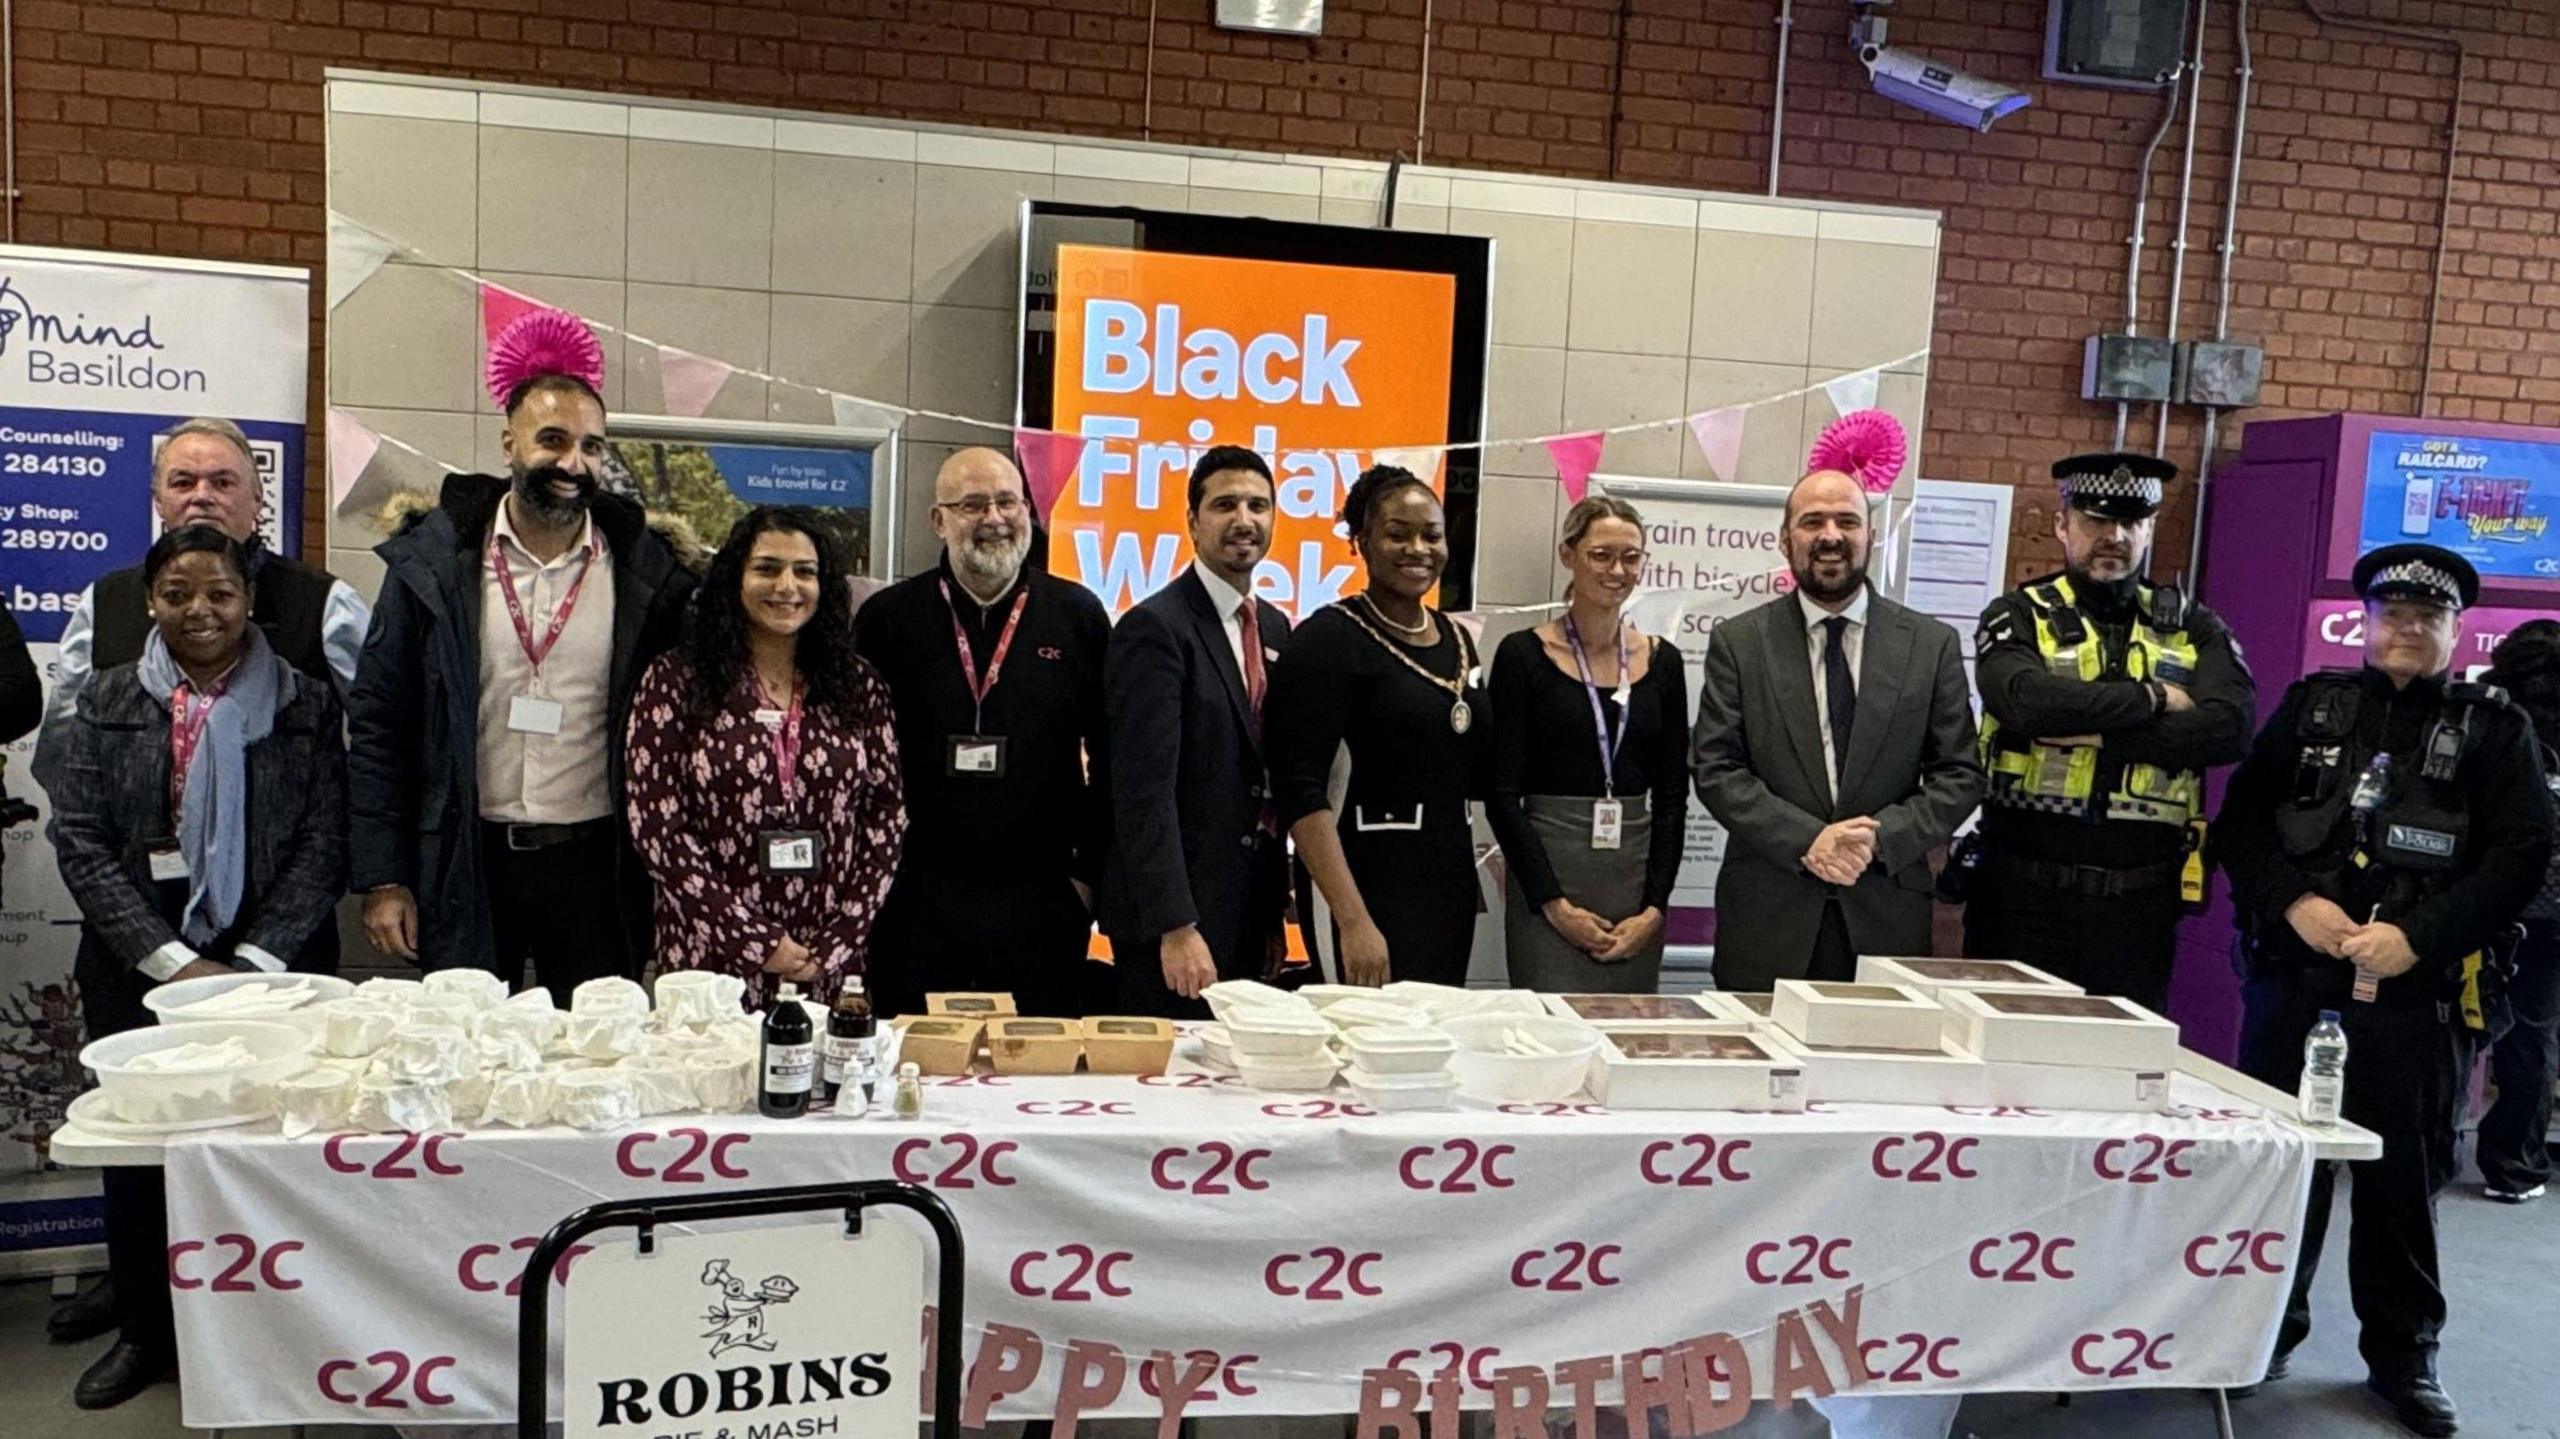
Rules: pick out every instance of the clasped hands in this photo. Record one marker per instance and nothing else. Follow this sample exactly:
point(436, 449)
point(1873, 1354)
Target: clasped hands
point(2378, 949)
point(1842, 852)
point(791, 960)
point(1597, 937)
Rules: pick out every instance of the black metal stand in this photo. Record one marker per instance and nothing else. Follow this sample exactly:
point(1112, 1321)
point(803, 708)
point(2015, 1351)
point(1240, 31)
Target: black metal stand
point(533, 1329)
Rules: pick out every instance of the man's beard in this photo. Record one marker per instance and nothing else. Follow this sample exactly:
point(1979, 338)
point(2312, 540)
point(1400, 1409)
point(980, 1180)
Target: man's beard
point(988, 565)
point(1813, 587)
point(534, 491)
point(2111, 592)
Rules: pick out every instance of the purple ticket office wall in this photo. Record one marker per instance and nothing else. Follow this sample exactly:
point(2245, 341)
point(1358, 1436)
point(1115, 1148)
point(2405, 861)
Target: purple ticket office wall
point(2283, 528)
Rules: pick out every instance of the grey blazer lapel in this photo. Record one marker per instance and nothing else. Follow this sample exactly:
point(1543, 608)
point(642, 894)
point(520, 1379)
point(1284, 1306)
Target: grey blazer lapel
point(1791, 666)
point(1882, 662)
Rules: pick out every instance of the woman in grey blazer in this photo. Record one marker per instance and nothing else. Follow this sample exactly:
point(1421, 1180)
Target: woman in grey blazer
point(200, 823)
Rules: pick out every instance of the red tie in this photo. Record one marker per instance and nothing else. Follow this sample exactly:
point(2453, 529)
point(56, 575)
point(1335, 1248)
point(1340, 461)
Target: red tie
point(1251, 635)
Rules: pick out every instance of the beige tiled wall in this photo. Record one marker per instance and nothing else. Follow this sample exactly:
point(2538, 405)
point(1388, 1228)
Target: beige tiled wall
point(880, 260)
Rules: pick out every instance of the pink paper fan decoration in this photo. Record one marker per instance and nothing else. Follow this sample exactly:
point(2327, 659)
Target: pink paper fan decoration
point(544, 342)
point(1869, 444)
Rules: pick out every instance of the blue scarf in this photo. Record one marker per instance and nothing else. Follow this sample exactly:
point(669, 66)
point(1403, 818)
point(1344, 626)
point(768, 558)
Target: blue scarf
point(213, 819)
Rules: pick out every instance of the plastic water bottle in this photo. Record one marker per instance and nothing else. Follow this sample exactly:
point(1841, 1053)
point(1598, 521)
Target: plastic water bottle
point(2324, 1072)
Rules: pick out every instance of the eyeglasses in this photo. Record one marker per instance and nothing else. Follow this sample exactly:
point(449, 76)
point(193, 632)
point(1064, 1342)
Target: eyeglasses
point(1614, 559)
point(976, 506)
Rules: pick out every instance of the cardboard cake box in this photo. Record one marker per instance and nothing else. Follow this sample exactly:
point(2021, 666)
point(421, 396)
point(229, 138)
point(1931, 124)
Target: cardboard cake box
point(1127, 1044)
point(937, 1044)
point(1644, 1010)
point(2087, 1030)
point(1675, 1067)
point(1861, 1016)
point(974, 1006)
point(1035, 1046)
point(1927, 976)
point(1863, 1075)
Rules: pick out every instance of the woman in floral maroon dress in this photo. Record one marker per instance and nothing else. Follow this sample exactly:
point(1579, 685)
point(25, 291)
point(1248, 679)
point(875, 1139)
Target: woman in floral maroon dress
point(764, 771)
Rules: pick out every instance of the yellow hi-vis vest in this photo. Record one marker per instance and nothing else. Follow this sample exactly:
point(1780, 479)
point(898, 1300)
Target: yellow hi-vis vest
point(2062, 779)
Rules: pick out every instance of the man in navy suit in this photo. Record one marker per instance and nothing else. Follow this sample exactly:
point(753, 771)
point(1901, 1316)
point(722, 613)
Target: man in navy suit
point(1197, 884)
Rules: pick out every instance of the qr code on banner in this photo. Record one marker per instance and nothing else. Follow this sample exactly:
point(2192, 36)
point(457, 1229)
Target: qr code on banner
point(268, 456)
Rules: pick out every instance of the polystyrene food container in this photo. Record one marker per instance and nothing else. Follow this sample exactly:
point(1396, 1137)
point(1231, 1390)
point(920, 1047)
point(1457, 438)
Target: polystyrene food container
point(170, 1001)
point(1389, 1049)
point(1325, 996)
point(1216, 1048)
point(1388, 1093)
point(1288, 1074)
point(1270, 1034)
point(1357, 1013)
point(1486, 1070)
point(278, 1052)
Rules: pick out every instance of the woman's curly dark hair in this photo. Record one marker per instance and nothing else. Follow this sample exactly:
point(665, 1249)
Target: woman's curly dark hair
point(716, 643)
point(1370, 491)
point(2526, 664)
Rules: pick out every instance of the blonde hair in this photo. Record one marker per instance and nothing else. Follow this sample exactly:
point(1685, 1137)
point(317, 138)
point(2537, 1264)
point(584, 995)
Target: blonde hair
point(1589, 511)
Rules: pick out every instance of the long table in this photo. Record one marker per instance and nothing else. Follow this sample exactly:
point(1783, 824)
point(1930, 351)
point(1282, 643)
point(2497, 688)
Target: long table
point(1293, 1243)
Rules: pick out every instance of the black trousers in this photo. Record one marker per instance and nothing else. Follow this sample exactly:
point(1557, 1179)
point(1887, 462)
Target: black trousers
point(136, 1200)
point(565, 908)
point(1834, 957)
point(2405, 1068)
point(1024, 935)
point(2515, 1150)
point(2123, 945)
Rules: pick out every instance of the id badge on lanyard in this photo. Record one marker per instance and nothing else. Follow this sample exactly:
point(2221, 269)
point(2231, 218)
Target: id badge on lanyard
point(532, 714)
point(978, 755)
point(1608, 813)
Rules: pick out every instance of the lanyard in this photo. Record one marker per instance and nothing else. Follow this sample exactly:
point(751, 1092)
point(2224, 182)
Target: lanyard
point(515, 607)
point(980, 689)
point(186, 732)
point(785, 737)
point(1609, 742)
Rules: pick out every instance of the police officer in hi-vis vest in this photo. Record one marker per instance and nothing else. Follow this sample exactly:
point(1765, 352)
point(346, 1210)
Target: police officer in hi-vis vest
point(2381, 838)
point(2104, 698)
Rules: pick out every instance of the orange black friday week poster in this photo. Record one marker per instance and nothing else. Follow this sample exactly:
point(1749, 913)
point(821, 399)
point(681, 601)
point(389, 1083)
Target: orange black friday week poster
point(1162, 355)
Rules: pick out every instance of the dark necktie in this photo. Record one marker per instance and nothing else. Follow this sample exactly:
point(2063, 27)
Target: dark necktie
point(1839, 695)
point(1250, 634)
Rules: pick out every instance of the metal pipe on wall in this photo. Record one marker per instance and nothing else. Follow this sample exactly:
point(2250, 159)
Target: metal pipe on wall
point(1778, 109)
point(2186, 206)
point(2240, 72)
point(1422, 105)
point(2452, 154)
point(9, 105)
point(2173, 81)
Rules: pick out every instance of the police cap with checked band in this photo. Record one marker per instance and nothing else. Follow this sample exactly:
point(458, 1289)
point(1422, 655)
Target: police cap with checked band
point(2114, 485)
point(2430, 574)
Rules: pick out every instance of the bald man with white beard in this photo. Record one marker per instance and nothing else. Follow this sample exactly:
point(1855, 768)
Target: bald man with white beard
point(995, 673)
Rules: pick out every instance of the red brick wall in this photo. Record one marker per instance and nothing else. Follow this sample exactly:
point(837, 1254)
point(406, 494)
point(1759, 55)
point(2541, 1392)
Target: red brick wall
point(194, 127)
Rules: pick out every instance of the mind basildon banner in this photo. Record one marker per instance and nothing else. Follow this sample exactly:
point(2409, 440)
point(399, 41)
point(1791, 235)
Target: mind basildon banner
point(100, 356)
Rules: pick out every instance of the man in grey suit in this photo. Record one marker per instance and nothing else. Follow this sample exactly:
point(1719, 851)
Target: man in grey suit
point(1835, 744)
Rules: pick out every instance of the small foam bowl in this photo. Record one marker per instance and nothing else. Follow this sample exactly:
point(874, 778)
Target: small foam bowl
point(168, 1002)
point(1486, 1072)
point(280, 1052)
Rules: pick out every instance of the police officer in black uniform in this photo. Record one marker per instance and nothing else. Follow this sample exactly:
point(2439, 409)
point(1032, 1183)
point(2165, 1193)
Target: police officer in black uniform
point(2104, 698)
point(2381, 838)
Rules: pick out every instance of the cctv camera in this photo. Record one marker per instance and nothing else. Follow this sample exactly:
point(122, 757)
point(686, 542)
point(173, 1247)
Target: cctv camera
point(1943, 90)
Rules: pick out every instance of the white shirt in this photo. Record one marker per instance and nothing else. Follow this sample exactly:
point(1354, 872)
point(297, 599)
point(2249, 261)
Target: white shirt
point(546, 778)
point(1226, 601)
point(1853, 643)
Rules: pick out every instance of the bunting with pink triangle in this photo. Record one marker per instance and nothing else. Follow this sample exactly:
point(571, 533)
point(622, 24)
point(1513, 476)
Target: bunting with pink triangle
point(500, 308)
point(1049, 459)
point(687, 381)
point(351, 448)
point(1576, 456)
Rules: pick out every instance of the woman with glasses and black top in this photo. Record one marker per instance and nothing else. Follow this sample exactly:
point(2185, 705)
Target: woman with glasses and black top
point(1590, 773)
point(1390, 684)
